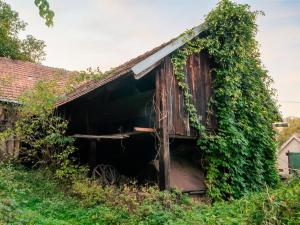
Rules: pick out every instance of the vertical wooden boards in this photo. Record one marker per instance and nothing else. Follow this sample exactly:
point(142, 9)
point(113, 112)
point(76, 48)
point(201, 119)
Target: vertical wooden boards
point(200, 83)
point(162, 120)
point(198, 78)
point(178, 122)
point(171, 116)
point(11, 146)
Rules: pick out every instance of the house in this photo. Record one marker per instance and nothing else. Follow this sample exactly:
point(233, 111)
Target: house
point(134, 120)
point(289, 155)
point(16, 77)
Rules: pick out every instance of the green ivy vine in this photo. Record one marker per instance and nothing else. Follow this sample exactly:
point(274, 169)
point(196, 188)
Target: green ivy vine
point(241, 155)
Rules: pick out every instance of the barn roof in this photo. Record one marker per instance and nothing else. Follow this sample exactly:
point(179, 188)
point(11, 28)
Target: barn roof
point(17, 76)
point(138, 66)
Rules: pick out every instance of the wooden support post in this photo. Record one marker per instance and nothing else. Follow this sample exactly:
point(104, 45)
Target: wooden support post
point(164, 151)
point(93, 154)
point(92, 151)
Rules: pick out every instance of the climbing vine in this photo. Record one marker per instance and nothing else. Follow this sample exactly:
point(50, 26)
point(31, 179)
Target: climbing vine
point(179, 61)
point(241, 155)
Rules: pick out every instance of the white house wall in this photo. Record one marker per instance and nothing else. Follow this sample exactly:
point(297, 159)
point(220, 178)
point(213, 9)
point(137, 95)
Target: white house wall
point(283, 164)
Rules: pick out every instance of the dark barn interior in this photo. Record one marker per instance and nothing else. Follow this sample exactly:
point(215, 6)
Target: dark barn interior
point(135, 120)
point(115, 110)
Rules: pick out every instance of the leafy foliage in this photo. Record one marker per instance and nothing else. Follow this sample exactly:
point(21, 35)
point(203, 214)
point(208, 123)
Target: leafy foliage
point(33, 49)
point(287, 132)
point(45, 11)
point(241, 156)
point(83, 77)
point(44, 143)
point(34, 197)
point(11, 46)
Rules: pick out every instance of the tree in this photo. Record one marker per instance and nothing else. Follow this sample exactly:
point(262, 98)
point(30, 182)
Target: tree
point(45, 11)
point(11, 46)
point(287, 132)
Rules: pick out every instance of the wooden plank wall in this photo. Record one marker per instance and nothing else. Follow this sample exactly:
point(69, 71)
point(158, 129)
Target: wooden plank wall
point(199, 79)
point(11, 146)
point(200, 84)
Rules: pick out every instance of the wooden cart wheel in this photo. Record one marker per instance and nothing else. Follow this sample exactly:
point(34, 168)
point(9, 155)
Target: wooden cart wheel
point(105, 174)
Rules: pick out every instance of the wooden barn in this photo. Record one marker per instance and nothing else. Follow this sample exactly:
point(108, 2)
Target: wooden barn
point(133, 120)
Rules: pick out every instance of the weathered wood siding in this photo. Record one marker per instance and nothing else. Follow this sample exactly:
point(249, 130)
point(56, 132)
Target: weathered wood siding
point(9, 147)
point(200, 83)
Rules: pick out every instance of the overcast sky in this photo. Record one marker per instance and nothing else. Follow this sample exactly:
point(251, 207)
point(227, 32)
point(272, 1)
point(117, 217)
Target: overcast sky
point(106, 33)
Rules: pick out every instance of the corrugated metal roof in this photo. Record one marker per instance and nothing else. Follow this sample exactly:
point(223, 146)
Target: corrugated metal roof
point(141, 68)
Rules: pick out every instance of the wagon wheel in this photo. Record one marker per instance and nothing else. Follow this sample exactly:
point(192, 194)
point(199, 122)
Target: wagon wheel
point(105, 174)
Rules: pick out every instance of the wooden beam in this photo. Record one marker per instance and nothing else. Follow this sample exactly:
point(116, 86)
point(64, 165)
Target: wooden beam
point(164, 151)
point(174, 136)
point(137, 130)
point(144, 129)
point(113, 136)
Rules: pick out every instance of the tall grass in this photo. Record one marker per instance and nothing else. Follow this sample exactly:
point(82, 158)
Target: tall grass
point(34, 197)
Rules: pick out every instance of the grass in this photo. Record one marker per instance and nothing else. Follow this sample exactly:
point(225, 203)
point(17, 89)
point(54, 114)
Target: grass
point(34, 197)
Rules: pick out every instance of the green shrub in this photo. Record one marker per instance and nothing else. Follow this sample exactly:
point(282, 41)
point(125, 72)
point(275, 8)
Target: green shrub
point(35, 197)
point(44, 142)
point(130, 197)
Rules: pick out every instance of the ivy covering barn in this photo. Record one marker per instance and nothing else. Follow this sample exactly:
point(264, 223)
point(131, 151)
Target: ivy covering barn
point(194, 113)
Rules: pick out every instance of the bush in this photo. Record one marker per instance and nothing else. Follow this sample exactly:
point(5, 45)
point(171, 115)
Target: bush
point(44, 143)
point(34, 197)
point(129, 197)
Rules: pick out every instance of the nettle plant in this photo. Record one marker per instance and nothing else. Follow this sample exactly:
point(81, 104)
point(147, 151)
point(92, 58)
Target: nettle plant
point(240, 156)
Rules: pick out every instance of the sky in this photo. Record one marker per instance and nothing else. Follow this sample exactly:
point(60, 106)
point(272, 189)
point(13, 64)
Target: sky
point(107, 33)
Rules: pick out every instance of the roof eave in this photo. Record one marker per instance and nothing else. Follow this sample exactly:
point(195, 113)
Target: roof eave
point(288, 141)
point(146, 65)
point(12, 101)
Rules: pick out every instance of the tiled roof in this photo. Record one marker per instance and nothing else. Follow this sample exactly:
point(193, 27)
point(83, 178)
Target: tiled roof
point(17, 76)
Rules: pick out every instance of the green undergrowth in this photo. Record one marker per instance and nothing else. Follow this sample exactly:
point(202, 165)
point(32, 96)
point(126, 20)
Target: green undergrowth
point(240, 155)
point(34, 197)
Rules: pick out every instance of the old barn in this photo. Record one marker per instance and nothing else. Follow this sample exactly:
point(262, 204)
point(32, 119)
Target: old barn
point(134, 120)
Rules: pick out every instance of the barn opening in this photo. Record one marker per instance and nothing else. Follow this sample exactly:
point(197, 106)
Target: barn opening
point(115, 125)
point(135, 119)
